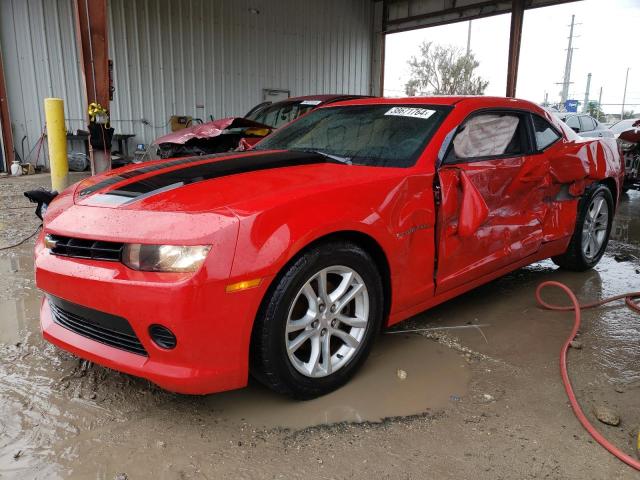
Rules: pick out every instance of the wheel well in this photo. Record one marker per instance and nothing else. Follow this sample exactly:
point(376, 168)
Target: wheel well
point(364, 241)
point(373, 248)
point(611, 185)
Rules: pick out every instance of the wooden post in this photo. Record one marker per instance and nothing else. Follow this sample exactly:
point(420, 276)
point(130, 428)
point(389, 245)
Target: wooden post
point(92, 38)
point(5, 121)
point(515, 37)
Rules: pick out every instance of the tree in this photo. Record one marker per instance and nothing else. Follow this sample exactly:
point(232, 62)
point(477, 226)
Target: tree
point(443, 70)
point(595, 110)
point(628, 114)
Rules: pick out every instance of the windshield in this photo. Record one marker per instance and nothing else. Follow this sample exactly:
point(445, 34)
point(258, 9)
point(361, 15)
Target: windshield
point(376, 135)
point(281, 113)
point(623, 125)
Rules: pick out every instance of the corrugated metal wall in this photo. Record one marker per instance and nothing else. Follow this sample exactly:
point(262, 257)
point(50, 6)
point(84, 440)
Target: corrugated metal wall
point(203, 58)
point(192, 57)
point(40, 60)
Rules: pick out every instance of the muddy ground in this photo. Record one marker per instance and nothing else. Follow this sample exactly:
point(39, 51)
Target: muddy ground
point(484, 401)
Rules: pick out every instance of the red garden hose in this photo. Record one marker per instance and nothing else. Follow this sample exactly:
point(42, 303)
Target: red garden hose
point(576, 307)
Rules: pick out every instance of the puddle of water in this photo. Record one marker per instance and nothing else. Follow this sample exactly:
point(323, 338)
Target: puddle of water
point(19, 318)
point(433, 374)
point(626, 225)
point(16, 262)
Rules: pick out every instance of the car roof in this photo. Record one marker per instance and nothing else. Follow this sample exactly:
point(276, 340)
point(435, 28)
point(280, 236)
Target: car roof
point(477, 101)
point(323, 98)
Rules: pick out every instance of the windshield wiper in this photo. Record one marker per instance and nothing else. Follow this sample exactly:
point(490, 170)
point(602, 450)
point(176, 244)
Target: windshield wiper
point(338, 158)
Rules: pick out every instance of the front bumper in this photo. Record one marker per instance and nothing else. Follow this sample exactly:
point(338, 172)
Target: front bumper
point(213, 328)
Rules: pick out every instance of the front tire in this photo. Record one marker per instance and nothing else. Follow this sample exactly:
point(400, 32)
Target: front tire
point(318, 321)
point(592, 230)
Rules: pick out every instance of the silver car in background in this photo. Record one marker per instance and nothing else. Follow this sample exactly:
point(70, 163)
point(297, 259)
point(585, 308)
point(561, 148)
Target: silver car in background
point(584, 125)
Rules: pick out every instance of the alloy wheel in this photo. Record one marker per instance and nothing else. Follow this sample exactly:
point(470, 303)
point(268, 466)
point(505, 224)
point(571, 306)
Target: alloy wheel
point(327, 321)
point(594, 229)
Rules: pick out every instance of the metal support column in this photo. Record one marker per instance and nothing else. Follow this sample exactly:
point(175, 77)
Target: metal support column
point(517, 16)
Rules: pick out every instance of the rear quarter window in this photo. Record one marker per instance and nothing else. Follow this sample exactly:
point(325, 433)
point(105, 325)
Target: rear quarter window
point(545, 133)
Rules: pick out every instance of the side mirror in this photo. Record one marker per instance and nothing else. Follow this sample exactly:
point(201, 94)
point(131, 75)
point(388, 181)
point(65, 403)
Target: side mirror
point(43, 198)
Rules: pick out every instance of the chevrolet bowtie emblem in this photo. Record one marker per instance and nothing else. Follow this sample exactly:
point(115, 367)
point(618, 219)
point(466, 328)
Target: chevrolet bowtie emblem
point(49, 242)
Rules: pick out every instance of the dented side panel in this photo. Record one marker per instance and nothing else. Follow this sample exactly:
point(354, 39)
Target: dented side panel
point(498, 221)
point(497, 212)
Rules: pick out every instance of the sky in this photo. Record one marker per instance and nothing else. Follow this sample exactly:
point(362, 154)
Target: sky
point(605, 42)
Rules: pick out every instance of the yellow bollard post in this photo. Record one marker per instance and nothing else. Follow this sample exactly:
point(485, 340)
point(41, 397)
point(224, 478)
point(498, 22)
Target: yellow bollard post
point(57, 140)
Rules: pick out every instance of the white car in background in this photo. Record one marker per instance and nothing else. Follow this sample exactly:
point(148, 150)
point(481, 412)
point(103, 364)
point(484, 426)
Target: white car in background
point(622, 126)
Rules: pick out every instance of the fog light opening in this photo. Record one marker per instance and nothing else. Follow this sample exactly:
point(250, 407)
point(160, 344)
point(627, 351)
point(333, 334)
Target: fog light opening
point(162, 337)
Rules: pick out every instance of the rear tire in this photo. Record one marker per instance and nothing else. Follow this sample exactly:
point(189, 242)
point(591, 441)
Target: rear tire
point(318, 321)
point(592, 230)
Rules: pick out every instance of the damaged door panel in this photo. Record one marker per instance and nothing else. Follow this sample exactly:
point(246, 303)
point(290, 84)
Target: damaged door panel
point(493, 192)
point(510, 183)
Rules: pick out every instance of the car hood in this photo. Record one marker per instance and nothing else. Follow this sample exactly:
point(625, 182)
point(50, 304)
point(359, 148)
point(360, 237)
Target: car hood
point(247, 180)
point(208, 130)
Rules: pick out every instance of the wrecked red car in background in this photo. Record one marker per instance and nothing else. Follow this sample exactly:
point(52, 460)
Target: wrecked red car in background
point(230, 133)
point(629, 141)
point(287, 260)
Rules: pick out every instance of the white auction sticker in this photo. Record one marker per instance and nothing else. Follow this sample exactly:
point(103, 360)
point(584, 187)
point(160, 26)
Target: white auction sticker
point(416, 112)
point(311, 102)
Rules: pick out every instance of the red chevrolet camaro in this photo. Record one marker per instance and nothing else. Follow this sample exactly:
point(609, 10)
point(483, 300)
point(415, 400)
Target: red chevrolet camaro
point(287, 260)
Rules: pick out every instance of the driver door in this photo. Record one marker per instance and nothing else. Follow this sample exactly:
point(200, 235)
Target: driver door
point(492, 190)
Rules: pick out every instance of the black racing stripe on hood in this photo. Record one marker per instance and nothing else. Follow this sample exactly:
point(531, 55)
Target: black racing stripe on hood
point(107, 182)
point(198, 173)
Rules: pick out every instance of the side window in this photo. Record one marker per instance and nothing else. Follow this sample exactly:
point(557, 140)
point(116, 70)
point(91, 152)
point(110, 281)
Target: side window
point(586, 124)
point(545, 133)
point(573, 122)
point(489, 135)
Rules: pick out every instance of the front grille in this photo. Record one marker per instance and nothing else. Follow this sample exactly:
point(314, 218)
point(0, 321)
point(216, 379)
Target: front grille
point(99, 326)
point(81, 248)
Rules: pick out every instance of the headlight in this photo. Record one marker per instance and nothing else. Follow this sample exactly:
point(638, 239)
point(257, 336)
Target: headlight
point(624, 145)
point(164, 258)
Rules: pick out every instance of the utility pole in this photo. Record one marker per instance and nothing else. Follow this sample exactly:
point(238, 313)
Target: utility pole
point(546, 99)
point(600, 97)
point(586, 94)
point(469, 39)
point(624, 95)
point(567, 66)
point(600, 104)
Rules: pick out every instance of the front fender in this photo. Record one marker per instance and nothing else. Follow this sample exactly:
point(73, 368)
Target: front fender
point(269, 239)
point(398, 214)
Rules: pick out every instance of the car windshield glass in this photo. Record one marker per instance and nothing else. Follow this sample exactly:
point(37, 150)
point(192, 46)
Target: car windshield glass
point(281, 113)
point(622, 126)
point(376, 135)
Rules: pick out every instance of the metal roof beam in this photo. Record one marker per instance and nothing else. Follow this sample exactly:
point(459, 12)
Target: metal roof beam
point(402, 15)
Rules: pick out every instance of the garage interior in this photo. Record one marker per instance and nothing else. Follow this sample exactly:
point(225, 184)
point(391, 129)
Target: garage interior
point(495, 405)
point(150, 61)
